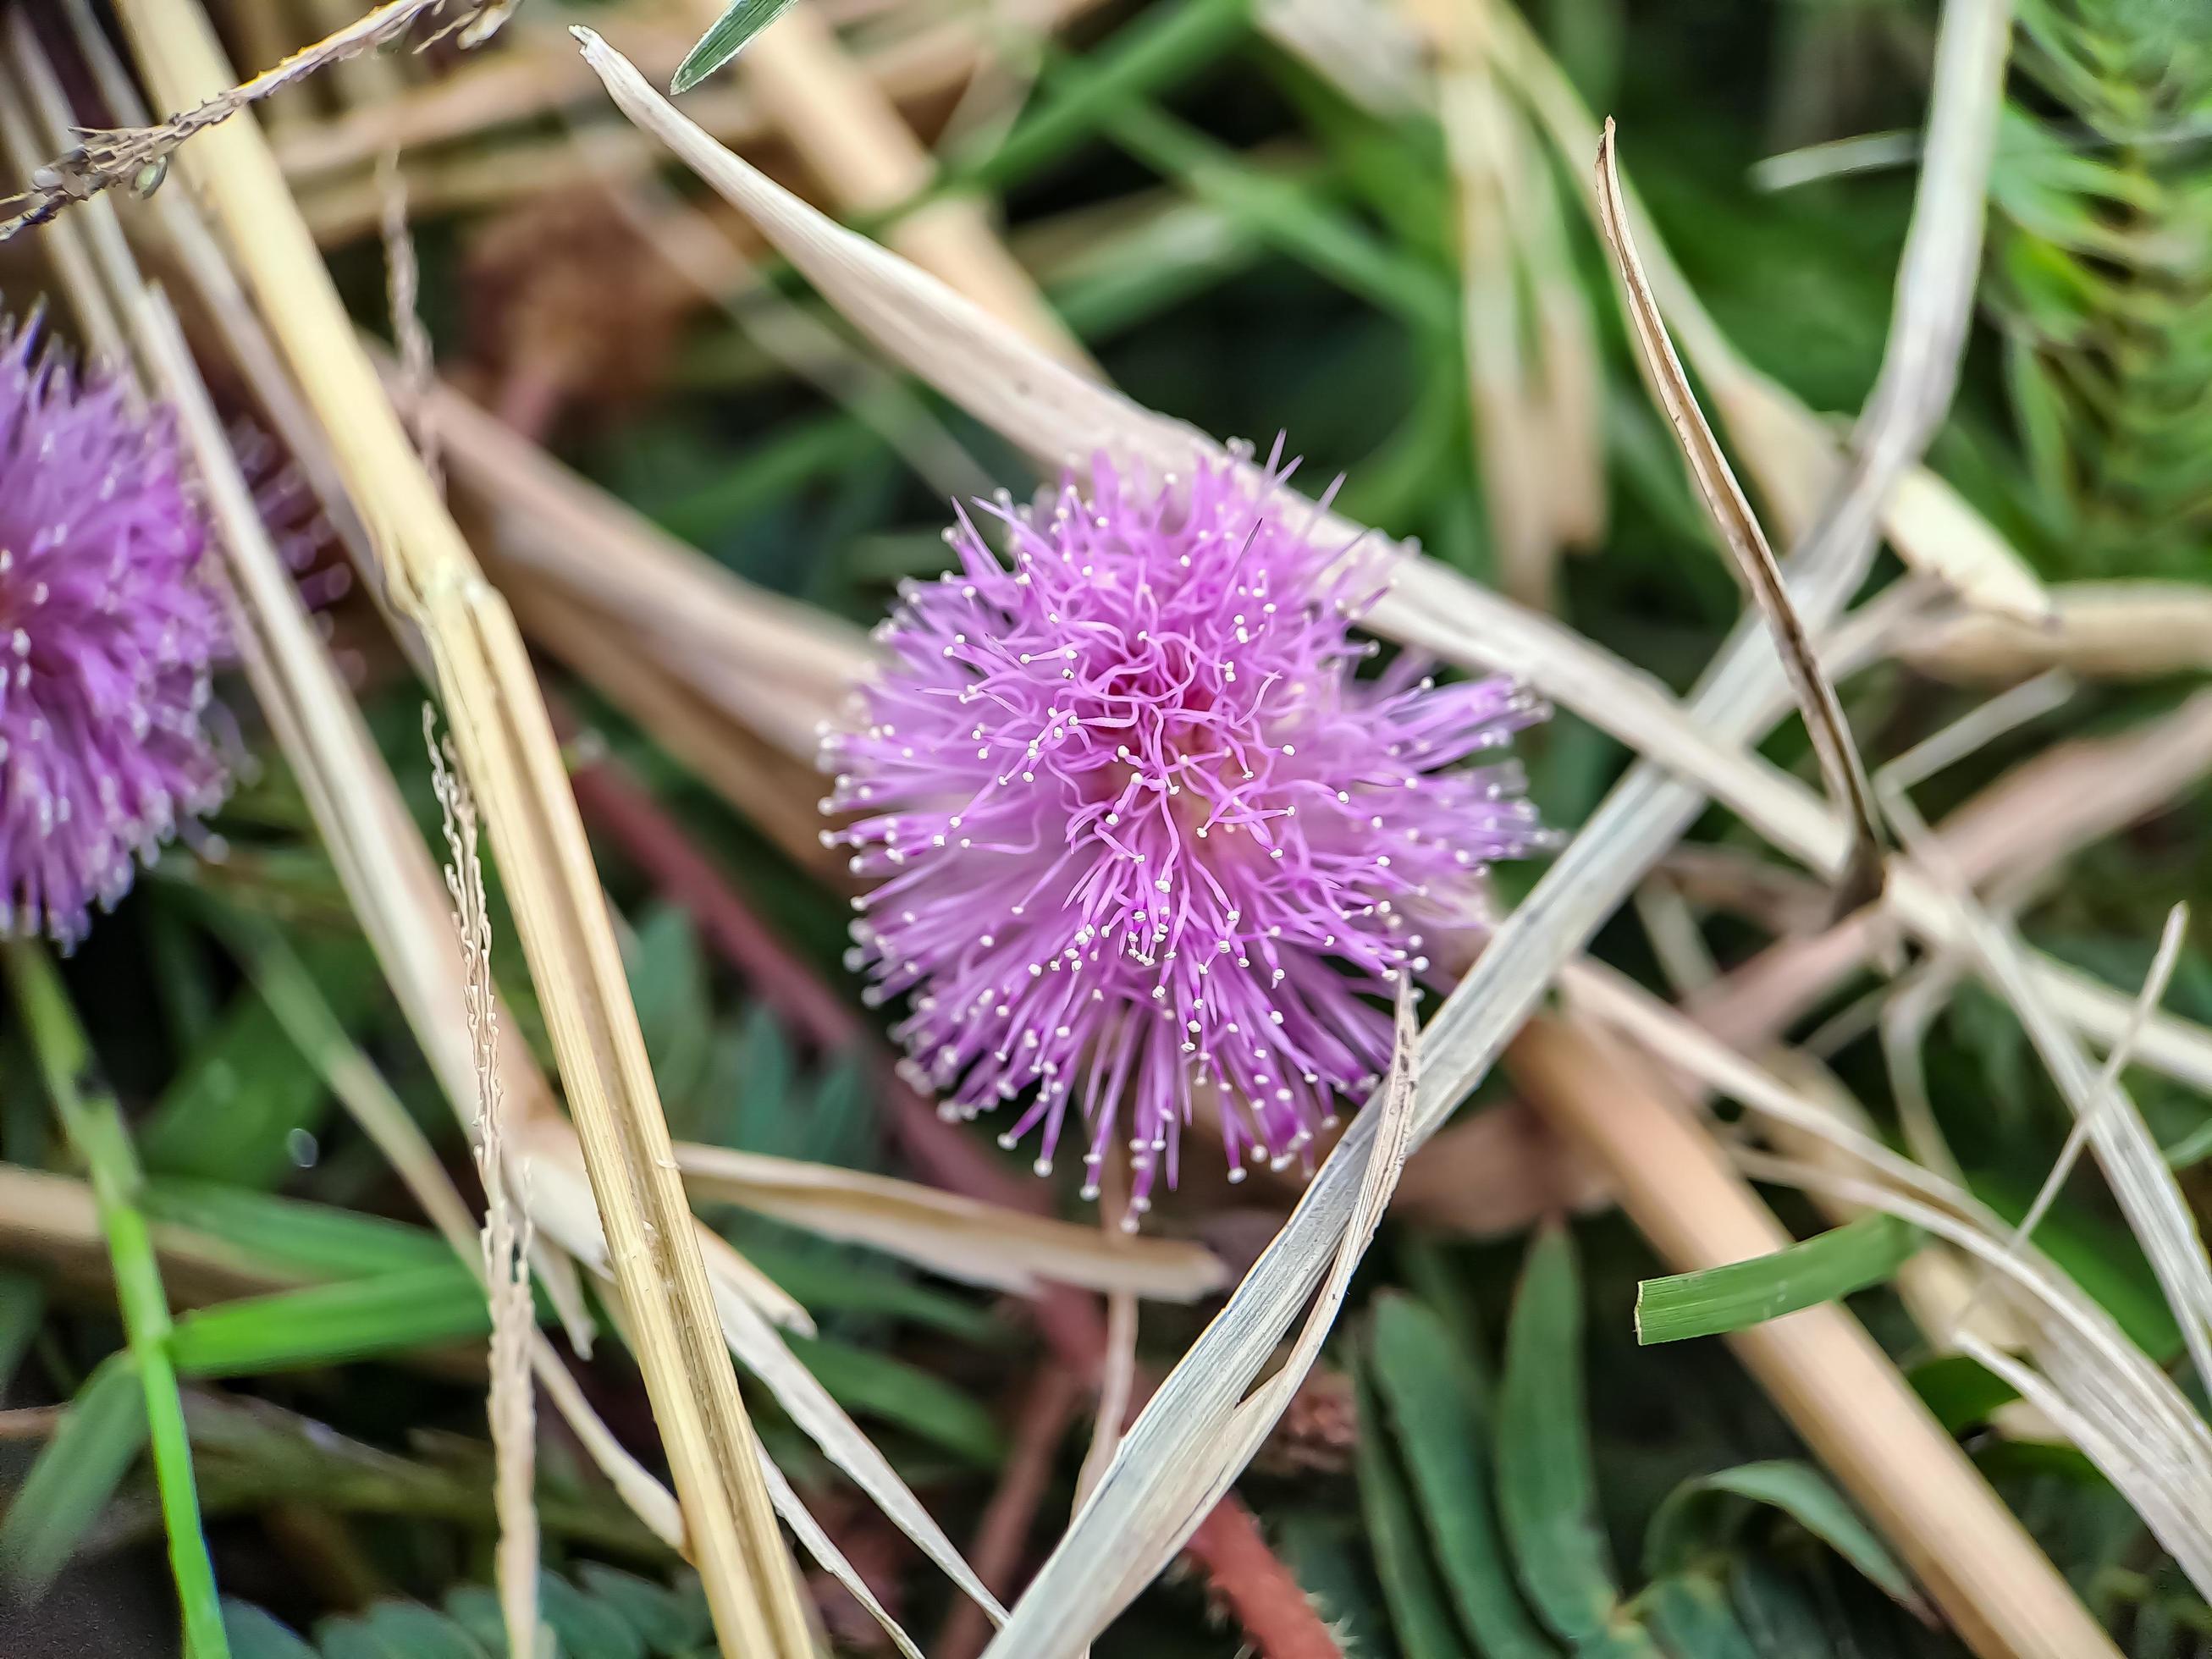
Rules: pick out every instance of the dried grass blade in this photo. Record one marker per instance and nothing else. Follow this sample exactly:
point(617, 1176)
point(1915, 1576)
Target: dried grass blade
point(513, 764)
point(1740, 534)
point(962, 1239)
point(2144, 1433)
point(2168, 957)
point(824, 1548)
point(1196, 1434)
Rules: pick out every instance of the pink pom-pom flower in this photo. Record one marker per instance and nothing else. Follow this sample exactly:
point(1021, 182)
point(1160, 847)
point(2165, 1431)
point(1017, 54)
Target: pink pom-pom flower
point(1139, 830)
point(109, 639)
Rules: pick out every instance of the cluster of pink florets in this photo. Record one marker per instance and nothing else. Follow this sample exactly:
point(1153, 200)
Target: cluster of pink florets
point(1140, 833)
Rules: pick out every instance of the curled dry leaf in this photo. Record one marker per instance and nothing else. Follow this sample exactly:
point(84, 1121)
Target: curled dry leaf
point(1740, 534)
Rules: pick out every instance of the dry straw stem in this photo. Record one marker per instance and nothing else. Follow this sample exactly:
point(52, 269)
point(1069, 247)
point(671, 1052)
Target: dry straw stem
point(298, 690)
point(376, 852)
point(535, 73)
point(1819, 1365)
point(2167, 957)
point(2100, 631)
point(508, 753)
point(54, 1219)
point(1062, 419)
point(853, 139)
point(1746, 542)
point(1201, 1428)
point(2122, 1409)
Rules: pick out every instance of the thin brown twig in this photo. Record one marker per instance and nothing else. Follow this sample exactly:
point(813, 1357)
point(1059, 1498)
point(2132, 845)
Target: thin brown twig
point(106, 157)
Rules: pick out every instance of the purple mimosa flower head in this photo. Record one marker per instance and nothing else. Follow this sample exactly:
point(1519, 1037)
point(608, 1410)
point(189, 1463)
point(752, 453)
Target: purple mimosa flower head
point(1139, 831)
point(108, 634)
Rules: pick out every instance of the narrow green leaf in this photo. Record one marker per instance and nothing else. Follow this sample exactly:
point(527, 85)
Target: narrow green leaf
point(329, 1324)
point(1547, 1494)
point(1143, 58)
point(22, 1309)
point(317, 1240)
point(1420, 1619)
point(1693, 1617)
point(876, 1385)
point(255, 1635)
point(1852, 1257)
point(74, 1474)
point(92, 1118)
point(1435, 1408)
point(476, 1610)
point(1699, 1511)
point(729, 36)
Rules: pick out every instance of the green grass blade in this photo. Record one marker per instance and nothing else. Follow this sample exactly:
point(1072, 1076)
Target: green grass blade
point(74, 1474)
point(93, 1123)
point(22, 1309)
point(1288, 217)
point(1687, 1523)
point(1435, 1408)
point(732, 31)
point(1545, 1492)
point(1143, 57)
point(330, 1324)
point(315, 1240)
point(1420, 1619)
point(1852, 1257)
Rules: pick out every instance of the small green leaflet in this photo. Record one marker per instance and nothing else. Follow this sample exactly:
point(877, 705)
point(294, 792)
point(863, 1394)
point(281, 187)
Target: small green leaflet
point(1849, 1258)
point(1698, 1511)
point(725, 41)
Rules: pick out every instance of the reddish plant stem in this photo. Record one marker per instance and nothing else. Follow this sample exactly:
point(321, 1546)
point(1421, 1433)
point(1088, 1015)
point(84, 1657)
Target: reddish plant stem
point(1259, 1589)
point(996, 1552)
point(1263, 1595)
